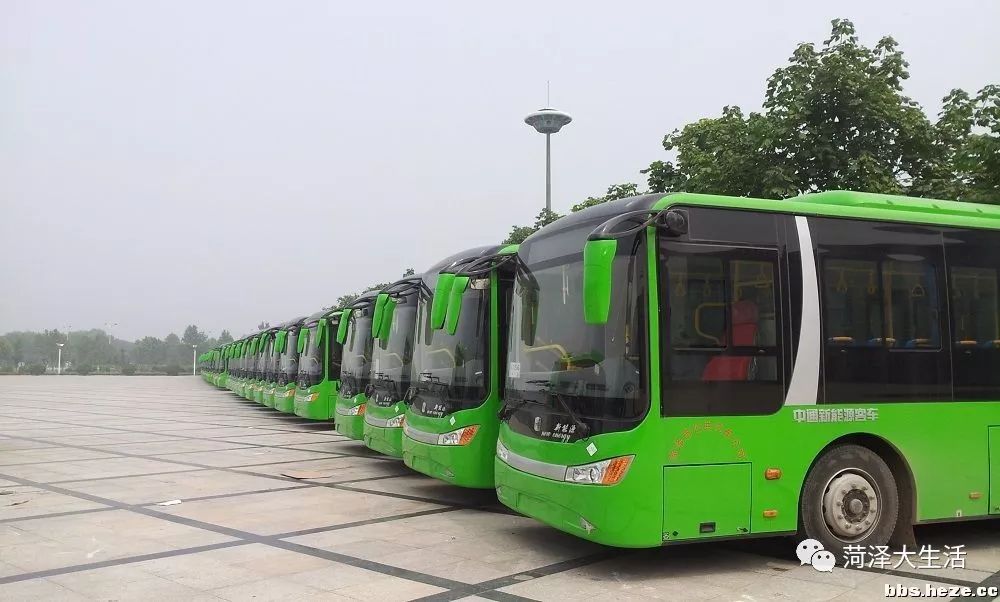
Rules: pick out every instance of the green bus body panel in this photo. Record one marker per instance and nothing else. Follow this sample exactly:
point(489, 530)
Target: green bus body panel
point(994, 443)
point(469, 465)
point(947, 461)
point(711, 500)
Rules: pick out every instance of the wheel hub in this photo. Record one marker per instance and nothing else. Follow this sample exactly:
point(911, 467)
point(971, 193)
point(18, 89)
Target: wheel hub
point(851, 505)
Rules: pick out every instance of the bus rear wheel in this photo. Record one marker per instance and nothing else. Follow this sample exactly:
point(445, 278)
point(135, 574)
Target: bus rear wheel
point(850, 498)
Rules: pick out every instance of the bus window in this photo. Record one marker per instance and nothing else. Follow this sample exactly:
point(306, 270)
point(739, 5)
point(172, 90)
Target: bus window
point(851, 307)
point(975, 313)
point(882, 312)
point(721, 337)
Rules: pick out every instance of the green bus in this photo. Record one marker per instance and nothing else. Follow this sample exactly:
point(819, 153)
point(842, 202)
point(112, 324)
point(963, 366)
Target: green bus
point(252, 390)
point(235, 365)
point(450, 425)
point(241, 358)
point(319, 366)
point(262, 357)
point(688, 367)
point(221, 367)
point(355, 336)
point(286, 364)
point(393, 319)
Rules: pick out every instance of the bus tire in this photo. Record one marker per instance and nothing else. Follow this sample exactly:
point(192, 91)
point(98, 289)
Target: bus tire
point(849, 498)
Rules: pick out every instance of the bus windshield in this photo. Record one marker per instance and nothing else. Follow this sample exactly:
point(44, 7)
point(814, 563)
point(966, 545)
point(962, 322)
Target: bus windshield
point(356, 361)
point(451, 370)
point(311, 360)
point(567, 379)
point(392, 356)
point(289, 362)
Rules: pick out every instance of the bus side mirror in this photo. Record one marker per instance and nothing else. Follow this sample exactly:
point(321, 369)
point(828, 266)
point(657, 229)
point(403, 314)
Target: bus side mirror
point(377, 314)
point(439, 302)
point(320, 330)
point(385, 325)
point(598, 258)
point(300, 344)
point(455, 302)
point(342, 327)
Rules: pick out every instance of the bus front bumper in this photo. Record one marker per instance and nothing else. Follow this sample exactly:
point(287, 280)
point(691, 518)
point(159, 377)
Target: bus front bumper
point(350, 420)
point(611, 515)
point(313, 403)
point(462, 465)
point(386, 440)
point(283, 400)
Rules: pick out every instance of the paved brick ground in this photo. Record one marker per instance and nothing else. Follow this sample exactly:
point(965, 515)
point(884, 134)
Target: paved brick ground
point(84, 463)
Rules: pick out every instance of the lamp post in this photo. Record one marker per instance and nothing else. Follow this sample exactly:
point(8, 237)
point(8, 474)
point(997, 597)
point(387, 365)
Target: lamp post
point(59, 362)
point(548, 121)
point(194, 360)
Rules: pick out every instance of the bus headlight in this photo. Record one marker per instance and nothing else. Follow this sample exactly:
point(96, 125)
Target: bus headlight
point(501, 451)
point(289, 393)
point(461, 436)
point(395, 422)
point(358, 410)
point(605, 472)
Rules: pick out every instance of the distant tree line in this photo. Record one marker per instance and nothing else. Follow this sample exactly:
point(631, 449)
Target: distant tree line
point(834, 117)
point(97, 351)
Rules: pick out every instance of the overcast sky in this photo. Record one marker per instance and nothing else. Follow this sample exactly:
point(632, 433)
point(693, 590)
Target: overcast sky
point(222, 163)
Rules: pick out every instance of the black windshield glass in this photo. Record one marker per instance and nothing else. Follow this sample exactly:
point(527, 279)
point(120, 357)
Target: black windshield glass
point(289, 362)
point(451, 371)
point(392, 356)
point(311, 360)
point(558, 364)
point(356, 363)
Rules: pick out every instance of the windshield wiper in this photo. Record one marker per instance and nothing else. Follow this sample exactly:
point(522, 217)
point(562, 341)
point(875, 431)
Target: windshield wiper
point(550, 389)
point(508, 409)
point(580, 424)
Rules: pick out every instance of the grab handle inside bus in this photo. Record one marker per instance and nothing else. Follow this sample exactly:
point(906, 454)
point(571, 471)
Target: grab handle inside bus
point(598, 258)
point(439, 303)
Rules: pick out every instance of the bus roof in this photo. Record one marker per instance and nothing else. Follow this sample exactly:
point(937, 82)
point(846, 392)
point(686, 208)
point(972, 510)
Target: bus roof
point(850, 204)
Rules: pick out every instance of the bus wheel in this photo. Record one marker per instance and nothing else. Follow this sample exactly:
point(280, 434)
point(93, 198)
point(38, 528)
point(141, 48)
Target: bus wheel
point(849, 499)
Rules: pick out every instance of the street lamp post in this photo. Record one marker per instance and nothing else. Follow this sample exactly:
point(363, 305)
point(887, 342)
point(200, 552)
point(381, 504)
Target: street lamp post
point(548, 121)
point(59, 362)
point(194, 360)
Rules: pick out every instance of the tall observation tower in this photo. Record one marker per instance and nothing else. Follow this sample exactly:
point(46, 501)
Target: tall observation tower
point(548, 121)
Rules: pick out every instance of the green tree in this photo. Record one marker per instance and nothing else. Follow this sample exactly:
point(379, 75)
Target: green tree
point(615, 192)
point(836, 118)
point(6, 353)
point(150, 351)
point(193, 336)
point(225, 338)
point(519, 233)
point(348, 298)
point(967, 149)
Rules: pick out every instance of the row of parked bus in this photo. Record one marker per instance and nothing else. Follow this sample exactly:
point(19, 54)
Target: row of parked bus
point(671, 368)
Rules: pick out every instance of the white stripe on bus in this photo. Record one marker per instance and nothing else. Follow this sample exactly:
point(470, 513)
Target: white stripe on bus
point(805, 374)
